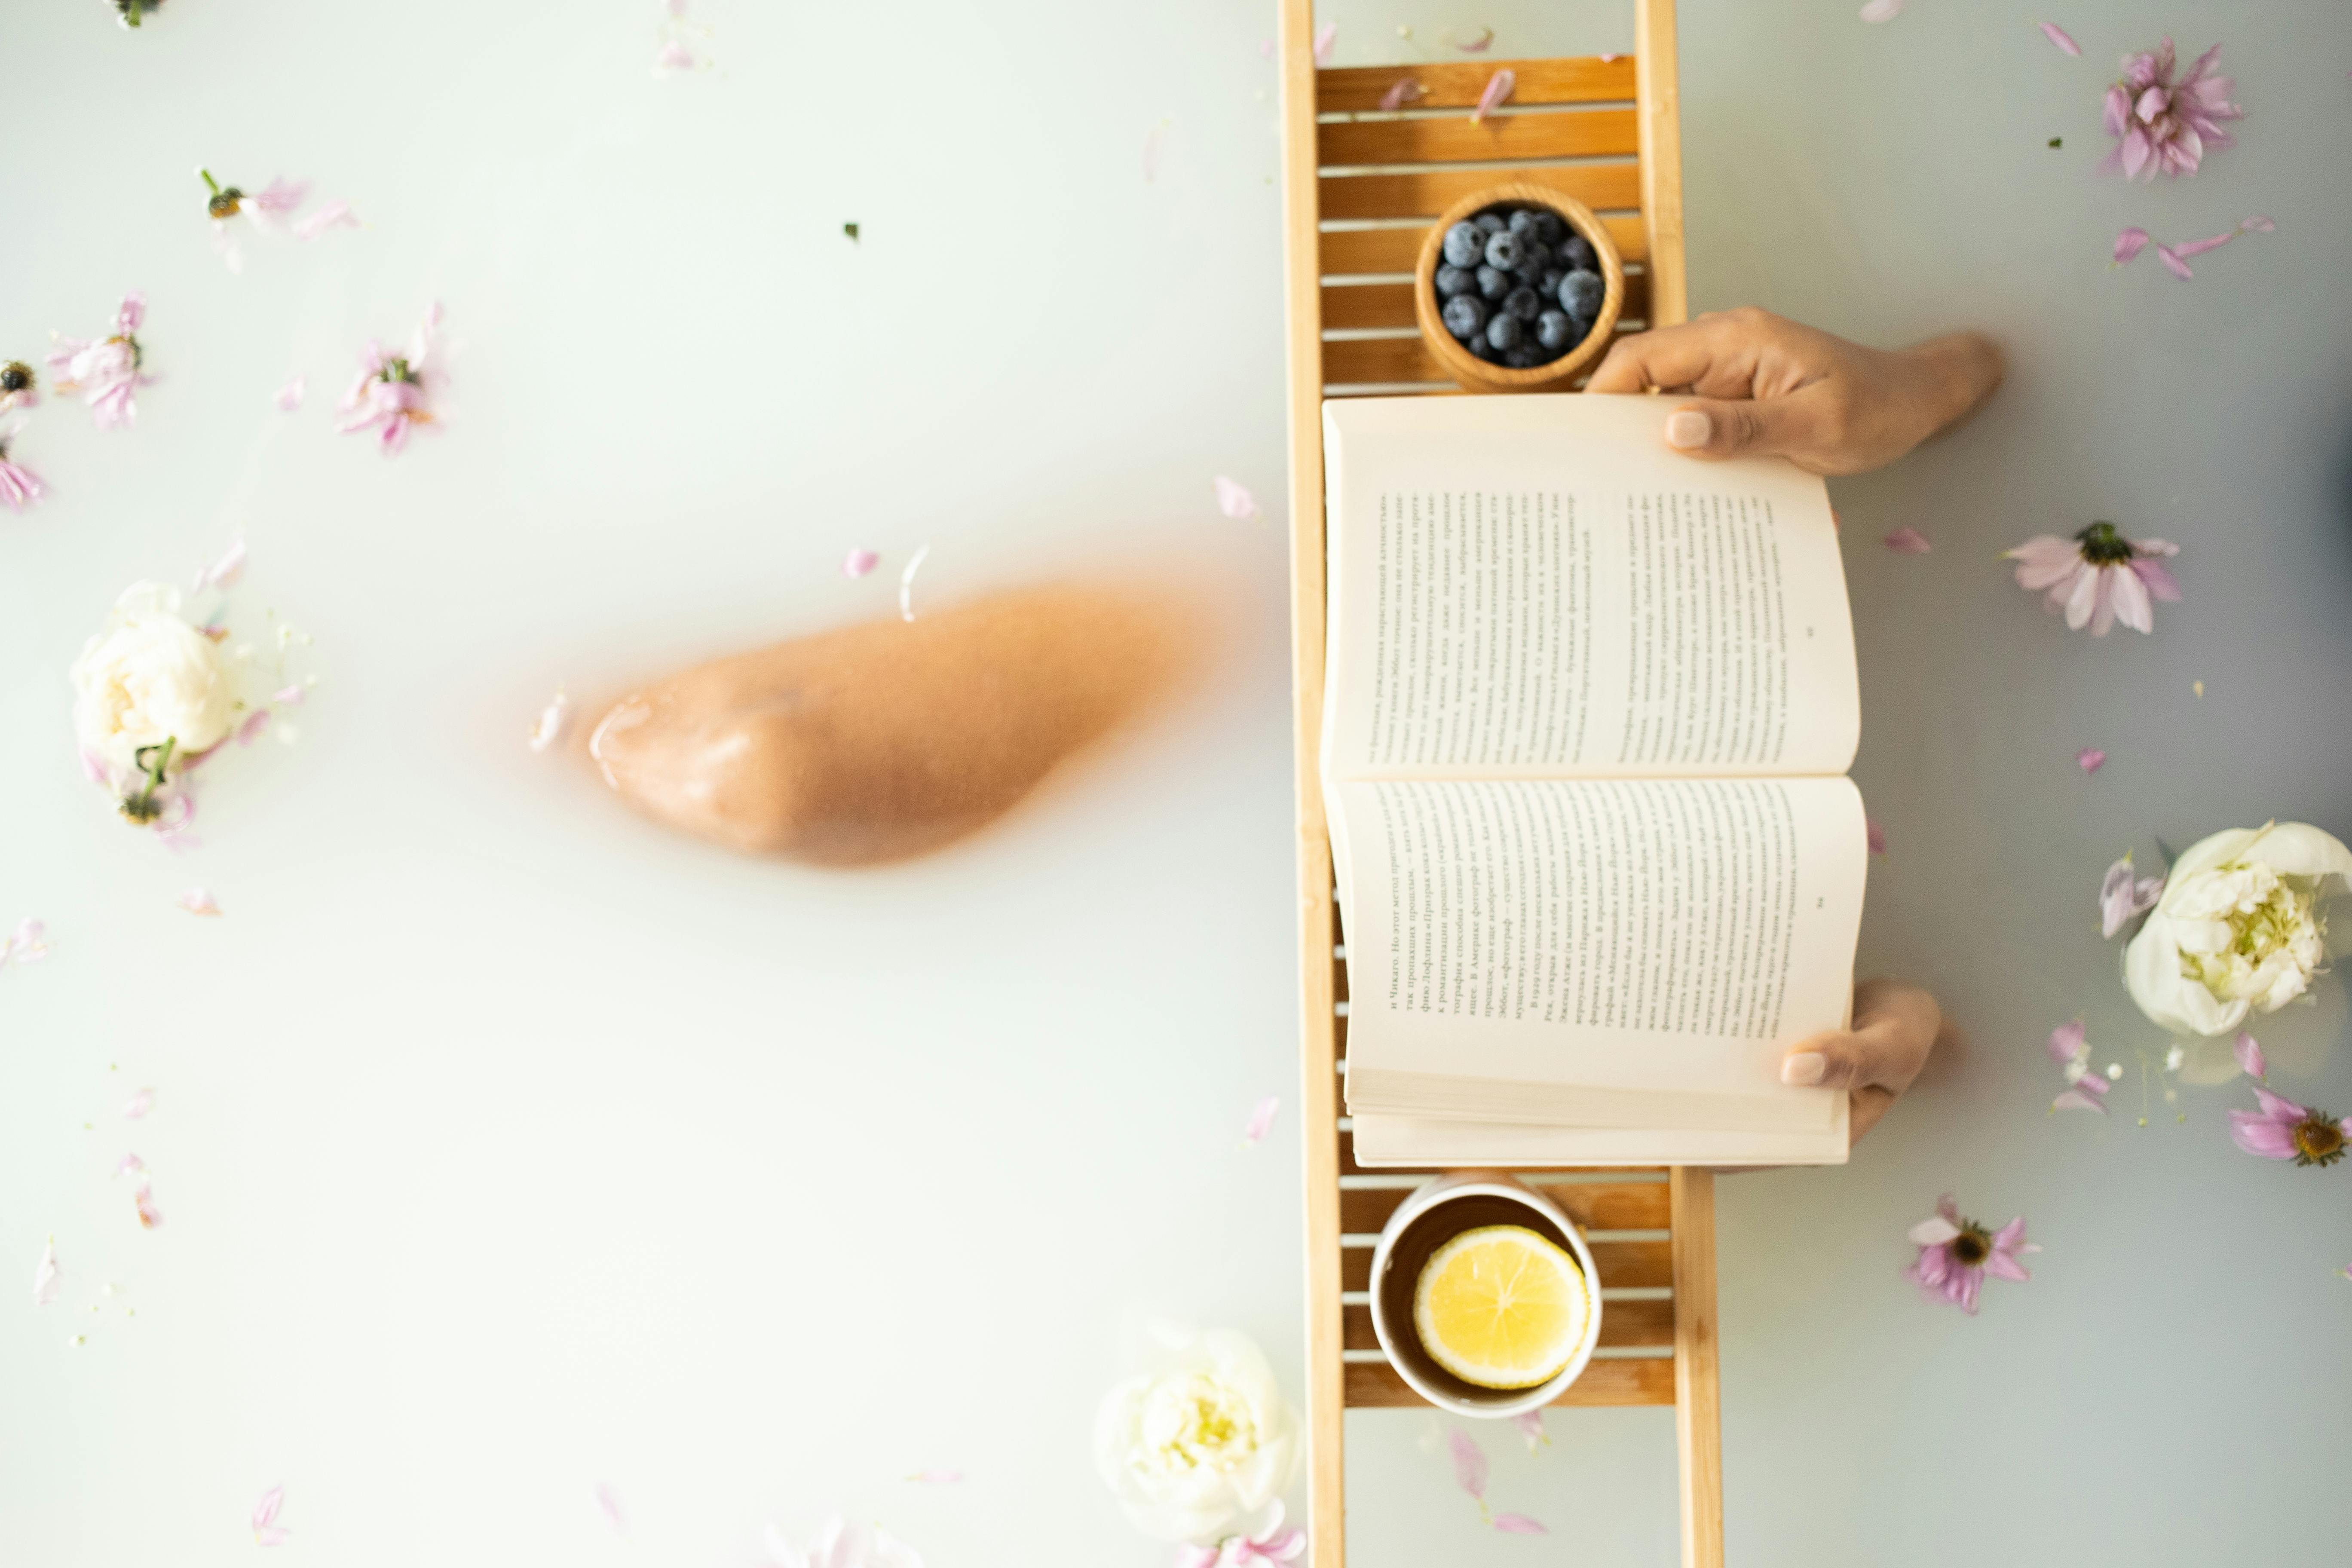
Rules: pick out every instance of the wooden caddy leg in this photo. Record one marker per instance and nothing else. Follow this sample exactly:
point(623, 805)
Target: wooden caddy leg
point(1698, 1396)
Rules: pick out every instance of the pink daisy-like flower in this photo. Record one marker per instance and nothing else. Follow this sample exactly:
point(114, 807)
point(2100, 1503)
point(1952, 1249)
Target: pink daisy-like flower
point(17, 387)
point(394, 391)
point(2163, 126)
point(2099, 576)
point(2282, 1130)
point(1956, 1254)
point(19, 486)
point(106, 371)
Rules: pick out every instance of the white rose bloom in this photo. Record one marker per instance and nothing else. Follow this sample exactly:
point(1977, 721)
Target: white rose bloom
point(150, 675)
point(2237, 929)
point(1190, 1449)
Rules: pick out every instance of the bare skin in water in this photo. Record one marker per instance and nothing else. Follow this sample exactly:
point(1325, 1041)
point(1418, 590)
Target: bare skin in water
point(883, 741)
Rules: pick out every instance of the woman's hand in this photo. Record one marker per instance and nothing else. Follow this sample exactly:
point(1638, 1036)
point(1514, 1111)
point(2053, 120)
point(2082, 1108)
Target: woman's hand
point(1769, 386)
point(1895, 1026)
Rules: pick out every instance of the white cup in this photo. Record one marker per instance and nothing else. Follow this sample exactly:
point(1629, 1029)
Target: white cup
point(1437, 1212)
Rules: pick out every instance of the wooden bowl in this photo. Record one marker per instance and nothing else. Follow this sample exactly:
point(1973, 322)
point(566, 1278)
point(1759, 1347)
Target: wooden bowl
point(1466, 367)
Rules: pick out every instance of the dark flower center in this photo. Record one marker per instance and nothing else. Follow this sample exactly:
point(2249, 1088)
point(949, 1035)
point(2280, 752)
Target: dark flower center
point(1972, 1246)
point(225, 204)
point(2102, 546)
point(16, 376)
point(395, 370)
point(2318, 1140)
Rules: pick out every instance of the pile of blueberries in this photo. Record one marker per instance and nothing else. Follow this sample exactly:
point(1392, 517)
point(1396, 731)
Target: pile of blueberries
point(1518, 286)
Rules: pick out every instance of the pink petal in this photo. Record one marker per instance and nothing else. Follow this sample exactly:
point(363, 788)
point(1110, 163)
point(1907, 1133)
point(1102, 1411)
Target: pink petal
point(2130, 243)
point(2118, 113)
point(1477, 46)
point(288, 696)
point(28, 943)
point(1324, 39)
point(2157, 577)
point(2076, 1100)
point(133, 1165)
point(609, 1502)
point(2138, 154)
point(2045, 560)
point(939, 1477)
point(2057, 35)
point(45, 1273)
point(2258, 225)
point(265, 1510)
point(1498, 88)
point(906, 583)
point(2172, 262)
point(1401, 91)
point(2084, 597)
point(1518, 1524)
point(290, 396)
point(2090, 759)
point(1875, 836)
point(2003, 1267)
point(254, 723)
point(2262, 1136)
point(1882, 10)
point(132, 314)
point(333, 215)
point(673, 57)
point(197, 901)
point(2249, 1056)
point(2200, 246)
point(859, 562)
point(139, 1105)
point(149, 1216)
point(2103, 608)
point(2280, 1109)
point(1234, 498)
point(2066, 1042)
point(1261, 1119)
point(1469, 1461)
point(1197, 1557)
point(1908, 541)
point(1932, 1233)
point(2129, 595)
point(270, 1535)
point(1531, 1427)
point(19, 486)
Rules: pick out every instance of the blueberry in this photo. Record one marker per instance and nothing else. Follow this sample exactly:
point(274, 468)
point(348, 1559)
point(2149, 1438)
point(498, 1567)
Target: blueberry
point(1536, 254)
point(1503, 252)
point(1478, 345)
point(1489, 223)
point(1463, 244)
point(1452, 280)
point(1581, 293)
point(1522, 223)
point(1523, 358)
point(1522, 302)
point(1558, 331)
point(1548, 284)
point(1494, 282)
point(1551, 229)
point(1502, 332)
point(1464, 314)
point(1576, 253)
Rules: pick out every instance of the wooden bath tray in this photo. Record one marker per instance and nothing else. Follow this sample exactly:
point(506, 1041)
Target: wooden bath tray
point(1360, 189)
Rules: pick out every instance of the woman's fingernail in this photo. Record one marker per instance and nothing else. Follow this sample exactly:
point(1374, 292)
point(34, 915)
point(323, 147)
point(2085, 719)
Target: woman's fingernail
point(1806, 1066)
point(1687, 427)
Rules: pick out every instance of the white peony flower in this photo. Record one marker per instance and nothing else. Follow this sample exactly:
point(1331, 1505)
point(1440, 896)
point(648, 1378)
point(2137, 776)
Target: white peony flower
point(147, 677)
point(2237, 929)
point(1190, 1449)
point(843, 1543)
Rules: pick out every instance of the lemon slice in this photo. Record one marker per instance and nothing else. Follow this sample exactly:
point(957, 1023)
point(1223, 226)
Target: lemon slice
point(1501, 1307)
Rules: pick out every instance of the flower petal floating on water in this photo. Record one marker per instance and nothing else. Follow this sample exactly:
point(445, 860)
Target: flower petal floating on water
point(197, 901)
point(906, 583)
point(1478, 45)
point(1234, 498)
point(2130, 243)
point(2282, 1130)
point(2121, 895)
point(2090, 759)
point(2071, 1049)
point(1518, 1524)
point(2058, 35)
point(2162, 126)
point(143, 1200)
point(106, 371)
point(608, 1502)
point(224, 572)
point(139, 1105)
point(937, 1477)
point(1498, 88)
point(290, 396)
point(1956, 1254)
point(843, 1543)
point(1908, 541)
point(327, 219)
point(1531, 1424)
point(1874, 834)
point(28, 943)
point(2249, 1056)
point(394, 391)
point(553, 719)
point(2098, 577)
point(45, 1273)
point(1882, 10)
point(859, 562)
point(267, 1530)
point(1470, 1468)
point(1261, 1119)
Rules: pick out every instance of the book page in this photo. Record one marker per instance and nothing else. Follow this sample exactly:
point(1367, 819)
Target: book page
point(1568, 951)
point(1527, 587)
point(1381, 1141)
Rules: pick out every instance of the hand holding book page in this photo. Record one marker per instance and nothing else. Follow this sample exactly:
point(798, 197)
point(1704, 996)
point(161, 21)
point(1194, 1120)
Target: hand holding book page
point(1587, 714)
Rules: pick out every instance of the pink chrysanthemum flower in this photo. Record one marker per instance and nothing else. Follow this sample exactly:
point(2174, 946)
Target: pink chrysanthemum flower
point(1956, 1254)
point(106, 372)
point(2163, 126)
point(269, 207)
point(19, 486)
point(2282, 1130)
point(18, 389)
point(394, 391)
point(2099, 576)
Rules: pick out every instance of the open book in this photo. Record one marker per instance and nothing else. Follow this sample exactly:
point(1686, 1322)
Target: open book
point(1588, 713)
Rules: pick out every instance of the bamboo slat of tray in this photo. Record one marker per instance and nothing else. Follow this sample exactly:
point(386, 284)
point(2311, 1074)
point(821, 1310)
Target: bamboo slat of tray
point(1359, 188)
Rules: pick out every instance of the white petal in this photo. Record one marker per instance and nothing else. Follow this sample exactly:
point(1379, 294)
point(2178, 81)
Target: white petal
point(2171, 999)
point(2300, 849)
point(1932, 1232)
point(2219, 849)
